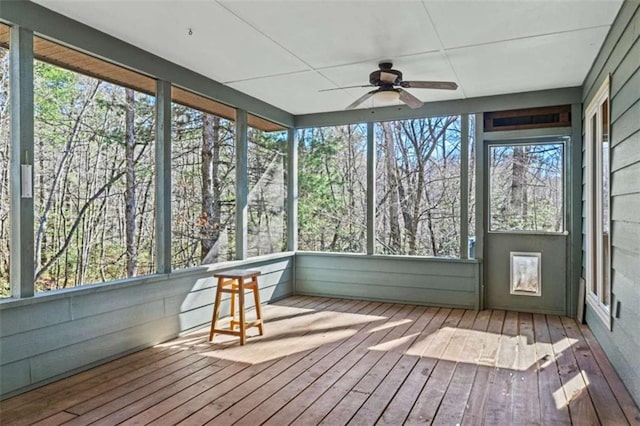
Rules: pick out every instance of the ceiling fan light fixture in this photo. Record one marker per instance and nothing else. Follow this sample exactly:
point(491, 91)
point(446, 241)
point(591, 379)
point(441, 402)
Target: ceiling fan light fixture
point(387, 80)
point(386, 97)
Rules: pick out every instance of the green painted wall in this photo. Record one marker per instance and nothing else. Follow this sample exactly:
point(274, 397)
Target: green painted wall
point(553, 268)
point(620, 57)
point(419, 281)
point(53, 335)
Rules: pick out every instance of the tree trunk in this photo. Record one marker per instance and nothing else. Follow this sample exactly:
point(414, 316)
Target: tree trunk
point(517, 182)
point(392, 179)
point(130, 191)
point(210, 216)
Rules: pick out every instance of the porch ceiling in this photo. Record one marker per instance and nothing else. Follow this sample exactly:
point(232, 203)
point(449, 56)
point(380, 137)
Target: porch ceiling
point(284, 52)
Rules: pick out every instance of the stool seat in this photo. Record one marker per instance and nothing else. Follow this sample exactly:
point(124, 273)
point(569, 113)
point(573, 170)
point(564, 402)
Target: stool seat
point(236, 282)
point(238, 273)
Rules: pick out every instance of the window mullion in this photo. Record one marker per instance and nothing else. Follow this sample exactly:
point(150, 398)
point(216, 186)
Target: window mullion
point(22, 132)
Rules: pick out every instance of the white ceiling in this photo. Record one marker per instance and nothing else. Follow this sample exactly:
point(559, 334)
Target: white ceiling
point(285, 51)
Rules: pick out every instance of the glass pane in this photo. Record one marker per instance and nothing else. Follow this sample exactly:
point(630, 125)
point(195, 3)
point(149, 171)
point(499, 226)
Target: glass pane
point(5, 152)
point(606, 255)
point(332, 178)
point(526, 187)
point(418, 187)
point(203, 187)
point(94, 180)
point(593, 123)
point(267, 181)
point(605, 168)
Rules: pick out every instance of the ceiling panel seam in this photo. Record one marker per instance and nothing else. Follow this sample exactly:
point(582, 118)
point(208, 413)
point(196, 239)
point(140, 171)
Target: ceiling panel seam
point(265, 35)
point(442, 49)
point(507, 40)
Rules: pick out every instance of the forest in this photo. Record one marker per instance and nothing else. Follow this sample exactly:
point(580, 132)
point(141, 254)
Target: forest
point(94, 204)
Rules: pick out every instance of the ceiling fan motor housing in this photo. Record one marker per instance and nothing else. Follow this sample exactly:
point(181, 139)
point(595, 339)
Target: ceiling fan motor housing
point(374, 78)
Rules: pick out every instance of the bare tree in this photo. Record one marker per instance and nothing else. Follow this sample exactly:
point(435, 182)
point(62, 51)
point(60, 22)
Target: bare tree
point(210, 217)
point(130, 191)
point(392, 190)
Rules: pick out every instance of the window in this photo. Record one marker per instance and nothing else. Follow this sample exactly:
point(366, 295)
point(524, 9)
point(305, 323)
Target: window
point(332, 193)
point(418, 187)
point(203, 186)
point(597, 174)
point(526, 187)
point(94, 176)
point(267, 186)
point(5, 151)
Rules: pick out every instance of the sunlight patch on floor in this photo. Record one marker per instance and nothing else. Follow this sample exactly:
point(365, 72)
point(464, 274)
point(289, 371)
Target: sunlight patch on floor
point(393, 343)
point(390, 324)
point(312, 331)
point(515, 343)
point(574, 388)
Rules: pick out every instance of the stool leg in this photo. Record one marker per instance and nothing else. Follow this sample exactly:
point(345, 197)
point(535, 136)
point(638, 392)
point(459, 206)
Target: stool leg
point(242, 324)
point(256, 298)
point(216, 309)
point(233, 310)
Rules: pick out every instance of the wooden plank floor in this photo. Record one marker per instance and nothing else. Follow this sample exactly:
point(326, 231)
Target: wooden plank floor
point(333, 362)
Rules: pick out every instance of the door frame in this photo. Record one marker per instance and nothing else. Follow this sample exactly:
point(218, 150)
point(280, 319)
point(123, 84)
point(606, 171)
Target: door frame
point(542, 241)
point(572, 196)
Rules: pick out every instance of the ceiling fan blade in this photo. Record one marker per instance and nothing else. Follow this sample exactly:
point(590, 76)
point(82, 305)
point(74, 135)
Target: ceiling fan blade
point(346, 87)
point(361, 99)
point(409, 99)
point(445, 85)
point(387, 77)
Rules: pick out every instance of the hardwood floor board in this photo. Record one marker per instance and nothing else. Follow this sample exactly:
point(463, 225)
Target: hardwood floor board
point(279, 326)
point(428, 401)
point(466, 321)
point(21, 400)
point(294, 397)
point(553, 401)
point(329, 368)
point(80, 382)
point(98, 379)
point(376, 404)
point(380, 399)
point(174, 414)
point(234, 405)
point(129, 405)
point(325, 381)
point(155, 378)
point(108, 405)
point(338, 361)
point(365, 385)
point(630, 409)
point(64, 400)
point(581, 407)
point(607, 407)
point(57, 419)
point(338, 380)
point(499, 405)
point(526, 400)
point(454, 402)
point(201, 388)
point(151, 414)
point(393, 369)
point(398, 409)
point(486, 372)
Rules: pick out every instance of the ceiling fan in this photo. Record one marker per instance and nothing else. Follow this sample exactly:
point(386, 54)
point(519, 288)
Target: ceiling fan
point(387, 80)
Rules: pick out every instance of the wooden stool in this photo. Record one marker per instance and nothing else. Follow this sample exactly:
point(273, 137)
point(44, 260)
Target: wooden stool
point(233, 282)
